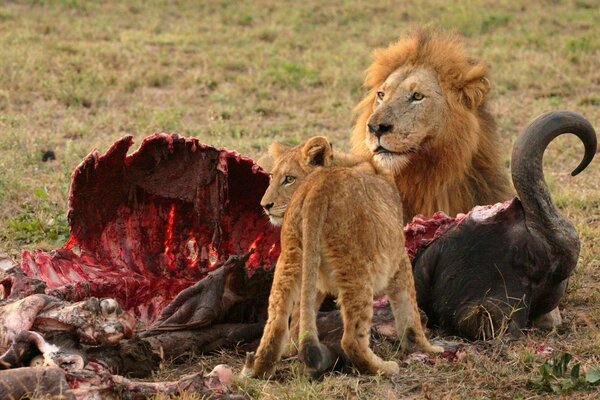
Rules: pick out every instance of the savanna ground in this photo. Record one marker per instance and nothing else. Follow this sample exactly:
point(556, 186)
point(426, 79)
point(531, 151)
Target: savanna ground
point(77, 75)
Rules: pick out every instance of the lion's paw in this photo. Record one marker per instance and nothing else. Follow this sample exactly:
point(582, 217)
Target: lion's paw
point(435, 349)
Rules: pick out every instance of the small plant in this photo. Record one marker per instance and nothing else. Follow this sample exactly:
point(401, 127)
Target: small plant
point(558, 378)
point(288, 74)
point(37, 221)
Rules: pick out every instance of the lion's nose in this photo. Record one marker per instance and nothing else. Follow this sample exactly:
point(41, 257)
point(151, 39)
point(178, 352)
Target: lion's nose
point(379, 130)
point(267, 206)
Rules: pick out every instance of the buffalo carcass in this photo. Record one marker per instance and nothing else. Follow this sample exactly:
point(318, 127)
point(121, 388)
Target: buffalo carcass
point(162, 226)
point(503, 267)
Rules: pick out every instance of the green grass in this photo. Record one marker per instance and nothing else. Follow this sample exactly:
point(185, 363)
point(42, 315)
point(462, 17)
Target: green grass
point(76, 75)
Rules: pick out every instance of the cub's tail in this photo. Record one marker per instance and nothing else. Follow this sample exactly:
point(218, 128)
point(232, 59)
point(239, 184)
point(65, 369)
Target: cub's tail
point(316, 356)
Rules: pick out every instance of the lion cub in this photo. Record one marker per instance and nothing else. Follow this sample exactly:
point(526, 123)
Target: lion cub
point(341, 234)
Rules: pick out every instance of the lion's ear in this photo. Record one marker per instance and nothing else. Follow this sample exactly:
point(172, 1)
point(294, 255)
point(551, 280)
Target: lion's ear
point(476, 86)
point(318, 151)
point(276, 149)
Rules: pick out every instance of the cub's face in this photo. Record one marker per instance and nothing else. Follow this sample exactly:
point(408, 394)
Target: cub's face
point(407, 113)
point(291, 165)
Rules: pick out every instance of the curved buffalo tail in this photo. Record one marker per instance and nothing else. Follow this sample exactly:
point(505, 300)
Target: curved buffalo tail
point(541, 216)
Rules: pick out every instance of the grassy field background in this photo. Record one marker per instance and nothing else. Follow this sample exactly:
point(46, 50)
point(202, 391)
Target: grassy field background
point(77, 75)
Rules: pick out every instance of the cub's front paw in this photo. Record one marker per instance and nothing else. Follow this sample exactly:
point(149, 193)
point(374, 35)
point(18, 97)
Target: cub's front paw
point(248, 370)
point(253, 369)
point(390, 368)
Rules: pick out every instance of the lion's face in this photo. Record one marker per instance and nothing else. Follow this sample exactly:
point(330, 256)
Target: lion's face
point(291, 165)
point(425, 120)
point(407, 113)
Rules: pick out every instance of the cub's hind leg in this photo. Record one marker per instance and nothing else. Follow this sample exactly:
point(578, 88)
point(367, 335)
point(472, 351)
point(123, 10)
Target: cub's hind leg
point(285, 289)
point(356, 303)
point(292, 349)
point(402, 295)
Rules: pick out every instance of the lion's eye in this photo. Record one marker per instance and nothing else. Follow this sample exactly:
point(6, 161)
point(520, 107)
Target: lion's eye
point(288, 180)
point(380, 95)
point(416, 96)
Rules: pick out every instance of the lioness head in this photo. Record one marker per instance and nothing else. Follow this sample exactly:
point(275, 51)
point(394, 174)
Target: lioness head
point(290, 166)
point(419, 88)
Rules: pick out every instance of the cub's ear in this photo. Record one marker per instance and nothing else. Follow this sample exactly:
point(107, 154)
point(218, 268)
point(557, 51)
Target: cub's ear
point(317, 151)
point(476, 86)
point(266, 162)
point(276, 149)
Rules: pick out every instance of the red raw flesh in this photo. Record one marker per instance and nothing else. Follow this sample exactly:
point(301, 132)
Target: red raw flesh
point(147, 225)
point(422, 231)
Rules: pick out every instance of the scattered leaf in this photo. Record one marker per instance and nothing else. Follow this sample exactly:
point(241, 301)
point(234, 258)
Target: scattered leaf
point(592, 375)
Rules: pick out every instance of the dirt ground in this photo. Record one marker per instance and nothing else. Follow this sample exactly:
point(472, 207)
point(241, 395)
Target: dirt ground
point(76, 75)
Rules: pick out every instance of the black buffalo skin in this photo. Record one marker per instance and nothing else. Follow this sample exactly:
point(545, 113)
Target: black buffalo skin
point(500, 272)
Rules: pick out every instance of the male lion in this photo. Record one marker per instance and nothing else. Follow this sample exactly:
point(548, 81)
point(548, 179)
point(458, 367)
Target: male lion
point(426, 120)
point(351, 249)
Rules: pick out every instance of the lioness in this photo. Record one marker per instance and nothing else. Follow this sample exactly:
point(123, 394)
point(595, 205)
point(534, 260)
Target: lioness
point(340, 235)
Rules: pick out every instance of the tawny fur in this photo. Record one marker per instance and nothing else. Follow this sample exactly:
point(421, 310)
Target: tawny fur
point(339, 236)
point(281, 195)
point(444, 150)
